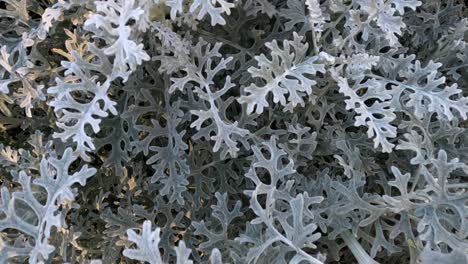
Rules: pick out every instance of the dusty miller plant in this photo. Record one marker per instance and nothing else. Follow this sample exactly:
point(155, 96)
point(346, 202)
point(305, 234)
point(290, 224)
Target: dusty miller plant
point(233, 131)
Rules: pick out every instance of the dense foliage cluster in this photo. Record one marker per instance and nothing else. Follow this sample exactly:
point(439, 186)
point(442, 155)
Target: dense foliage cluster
point(233, 131)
